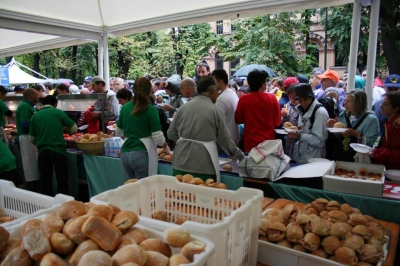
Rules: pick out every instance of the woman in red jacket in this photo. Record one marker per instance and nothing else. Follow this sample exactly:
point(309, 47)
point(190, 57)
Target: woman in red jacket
point(388, 151)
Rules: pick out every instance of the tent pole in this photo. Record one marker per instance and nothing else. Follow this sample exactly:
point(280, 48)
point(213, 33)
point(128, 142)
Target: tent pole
point(100, 59)
point(355, 36)
point(106, 61)
point(372, 44)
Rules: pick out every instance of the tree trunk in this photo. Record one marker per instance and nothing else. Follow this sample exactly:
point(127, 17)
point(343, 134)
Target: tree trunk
point(73, 70)
point(123, 65)
point(36, 64)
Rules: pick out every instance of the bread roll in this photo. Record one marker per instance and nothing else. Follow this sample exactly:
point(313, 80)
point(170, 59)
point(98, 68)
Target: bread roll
point(72, 209)
point(227, 168)
point(181, 220)
point(196, 181)
point(339, 125)
point(131, 253)
point(102, 232)
point(6, 219)
point(114, 208)
point(160, 215)
point(192, 248)
point(17, 257)
point(51, 259)
point(156, 259)
point(52, 223)
point(103, 211)
point(179, 177)
point(61, 244)
point(29, 224)
point(72, 229)
point(287, 124)
point(135, 233)
point(133, 180)
point(95, 258)
point(155, 244)
point(130, 264)
point(36, 242)
point(124, 243)
point(84, 247)
point(4, 236)
point(125, 220)
point(294, 127)
point(186, 178)
point(90, 205)
point(177, 260)
point(176, 237)
point(10, 245)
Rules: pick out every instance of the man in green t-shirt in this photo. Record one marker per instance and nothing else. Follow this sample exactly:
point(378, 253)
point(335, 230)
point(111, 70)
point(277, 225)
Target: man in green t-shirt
point(8, 168)
point(46, 132)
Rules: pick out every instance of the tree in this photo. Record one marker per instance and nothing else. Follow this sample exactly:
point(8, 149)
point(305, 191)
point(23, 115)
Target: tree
point(268, 40)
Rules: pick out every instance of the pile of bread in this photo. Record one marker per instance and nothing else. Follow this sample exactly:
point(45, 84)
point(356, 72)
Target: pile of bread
point(99, 136)
point(189, 179)
point(164, 156)
point(88, 234)
point(3, 218)
point(326, 229)
point(289, 125)
point(362, 174)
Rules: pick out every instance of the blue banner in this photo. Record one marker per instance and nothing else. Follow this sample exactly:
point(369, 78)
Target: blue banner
point(4, 77)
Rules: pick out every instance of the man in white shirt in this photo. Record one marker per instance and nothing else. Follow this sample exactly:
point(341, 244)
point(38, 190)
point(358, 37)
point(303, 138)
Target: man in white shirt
point(227, 101)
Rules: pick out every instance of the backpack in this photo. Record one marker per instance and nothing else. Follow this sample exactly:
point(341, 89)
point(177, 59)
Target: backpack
point(330, 106)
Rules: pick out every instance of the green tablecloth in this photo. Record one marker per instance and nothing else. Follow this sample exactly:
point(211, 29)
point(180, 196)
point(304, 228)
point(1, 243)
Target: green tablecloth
point(105, 173)
point(382, 209)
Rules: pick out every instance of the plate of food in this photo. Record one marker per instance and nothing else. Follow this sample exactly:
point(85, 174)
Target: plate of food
point(112, 127)
point(281, 131)
point(338, 127)
point(361, 148)
point(288, 127)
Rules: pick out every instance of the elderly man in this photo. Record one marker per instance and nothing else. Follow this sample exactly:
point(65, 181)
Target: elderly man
point(111, 105)
point(313, 134)
point(118, 83)
point(188, 88)
point(315, 82)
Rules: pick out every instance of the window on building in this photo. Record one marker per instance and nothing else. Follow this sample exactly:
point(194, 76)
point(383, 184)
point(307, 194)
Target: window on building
point(220, 27)
point(233, 28)
point(339, 58)
point(219, 62)
point(233, 65)
point(314, 52)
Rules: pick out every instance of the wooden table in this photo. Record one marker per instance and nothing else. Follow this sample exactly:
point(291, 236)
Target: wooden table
point(394, 228)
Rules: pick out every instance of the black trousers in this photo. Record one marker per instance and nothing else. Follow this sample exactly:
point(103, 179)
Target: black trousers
point(47, 160)
point(10, 176)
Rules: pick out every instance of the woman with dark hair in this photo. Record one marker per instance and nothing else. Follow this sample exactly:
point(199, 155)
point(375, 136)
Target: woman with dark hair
point(258, 111)
point(140, 124)
point(197, 127)
point(124, 96)
point(362, 126)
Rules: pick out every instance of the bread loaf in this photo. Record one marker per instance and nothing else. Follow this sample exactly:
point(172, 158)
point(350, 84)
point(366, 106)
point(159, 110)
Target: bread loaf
point(95, 258)
point(84, 247)
point(52, 223)
point(177, 260)
point(51, 259)
point(192, 248)
point(125, 220)
point(71, 209)
point(72, 229)
point(17, 257)
point(134, 233)
point(103, 211)
point(36, 242)
point(102, 232)
point(156, 259)
point(131, 253)
point(61, 244)
point(155, 244)
point(176, 237)
point(4, 236)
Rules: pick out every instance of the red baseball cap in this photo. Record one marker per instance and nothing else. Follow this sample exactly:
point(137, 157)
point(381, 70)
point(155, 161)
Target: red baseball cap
point(289, 81)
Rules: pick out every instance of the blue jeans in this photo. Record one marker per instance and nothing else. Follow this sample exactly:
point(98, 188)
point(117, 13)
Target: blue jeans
point(136, 164)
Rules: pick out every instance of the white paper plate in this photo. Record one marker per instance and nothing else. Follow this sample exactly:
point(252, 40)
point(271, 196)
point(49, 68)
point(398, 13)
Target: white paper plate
point(291, 130)
point(336, 130)
point(83, 127)
point(161, 104)
point(360, 147)
point(281, 131)
point(111, 128)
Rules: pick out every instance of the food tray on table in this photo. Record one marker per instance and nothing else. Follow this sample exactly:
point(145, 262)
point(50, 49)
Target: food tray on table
point(198, 259)
point(230, 219)
point(23, 205)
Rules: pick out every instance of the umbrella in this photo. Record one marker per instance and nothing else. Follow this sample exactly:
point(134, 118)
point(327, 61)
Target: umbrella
point(245, 70)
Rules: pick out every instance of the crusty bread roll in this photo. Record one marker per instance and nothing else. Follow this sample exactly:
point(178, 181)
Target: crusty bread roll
point(192, 248)
point(61, 244)
point(176, 237)
point(17, 257)
point(114, 208)
point(186, 178)
point(135, 233)
point(6, 219)
point(72, 229)
point(339, 125)
point(101, 211)
point(4, 236)
point(10, 245)
point(125, 243)
point(167, 157)
point(227, 168)
point(156, 259)
point(133, 180)
point(179, 177)
point(102, 232)
point(160, 215)
point(72, 209)
point(130, 264)
point(125, 220)
point(84, 247)
point(52, 223)
point(90, 205)
point(177, 260)
point(181, 220)
point(131, 253)
point(209, 181)
point(51, 259)
point(36, 242)
point(196, 181)
point(155, 244)
point(29, 224)
point(287, 124)
point(294, 127)
point(95, 258)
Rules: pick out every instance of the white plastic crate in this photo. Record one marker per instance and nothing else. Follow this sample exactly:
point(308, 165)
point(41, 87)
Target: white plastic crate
point(23, 205)
point(198, 260)
point(230, 219)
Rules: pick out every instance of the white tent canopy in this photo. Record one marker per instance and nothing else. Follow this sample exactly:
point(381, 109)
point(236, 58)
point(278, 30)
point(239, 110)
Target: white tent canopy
point(18, 76)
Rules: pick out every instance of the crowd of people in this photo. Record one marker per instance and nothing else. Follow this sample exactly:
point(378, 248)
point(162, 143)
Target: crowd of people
point(201, 116)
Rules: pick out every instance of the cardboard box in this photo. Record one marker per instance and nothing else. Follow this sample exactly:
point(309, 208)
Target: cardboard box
point(355, 185)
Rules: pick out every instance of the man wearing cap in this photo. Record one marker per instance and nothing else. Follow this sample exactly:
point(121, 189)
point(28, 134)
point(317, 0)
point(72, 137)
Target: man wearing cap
point(86, 83)
point(286, 83)
point(313, 134)
point(111, 105)
point(19, 89)
point(392, 83)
